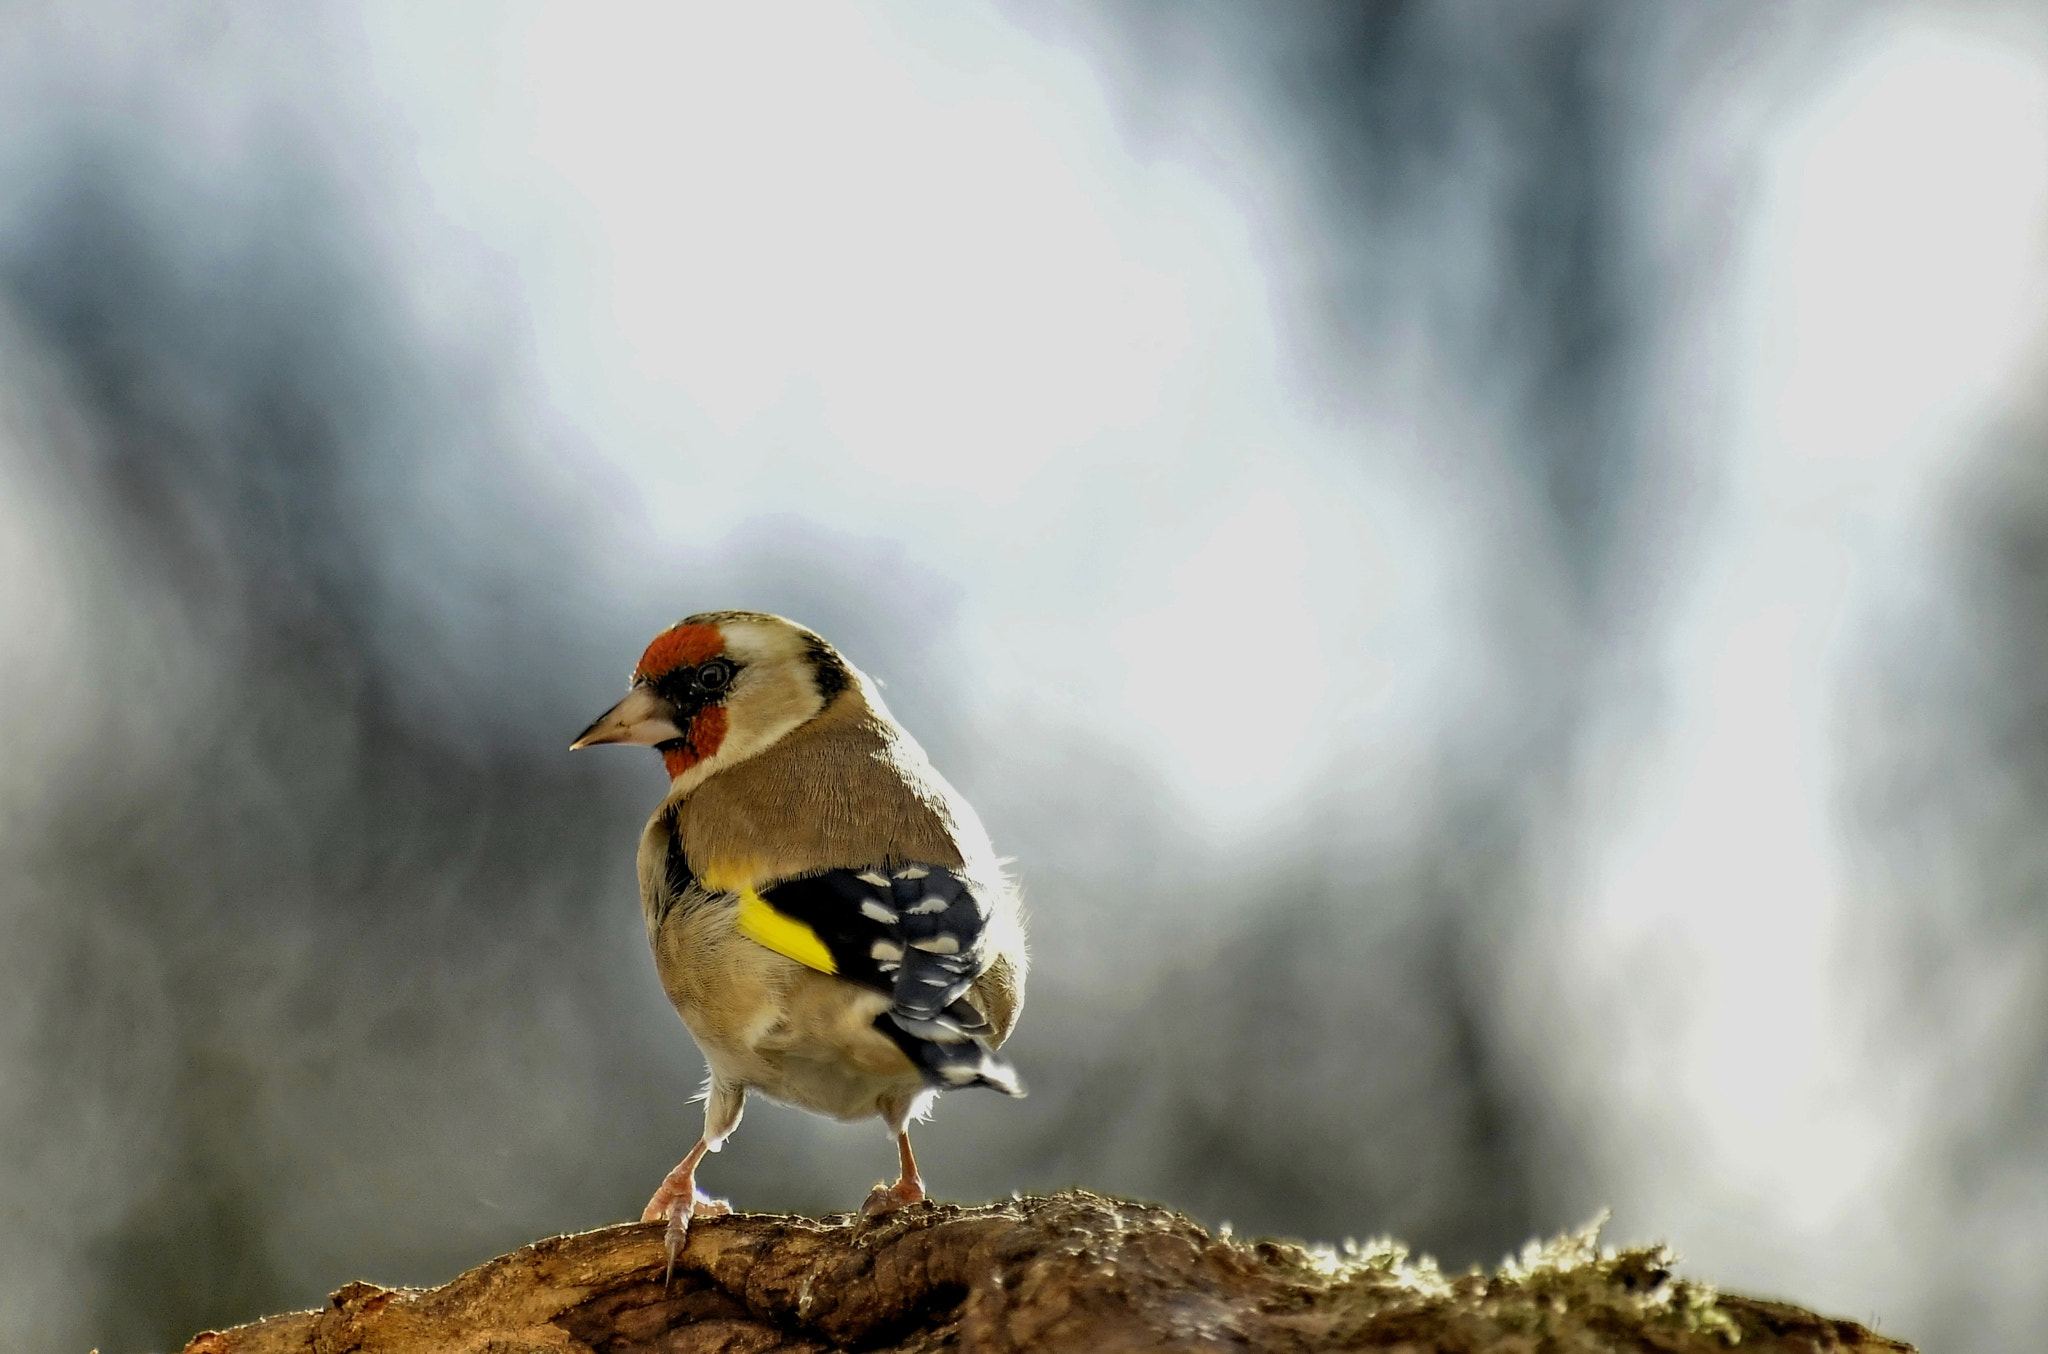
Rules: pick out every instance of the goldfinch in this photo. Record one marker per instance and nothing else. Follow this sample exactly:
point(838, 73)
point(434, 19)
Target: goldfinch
point(826, 912)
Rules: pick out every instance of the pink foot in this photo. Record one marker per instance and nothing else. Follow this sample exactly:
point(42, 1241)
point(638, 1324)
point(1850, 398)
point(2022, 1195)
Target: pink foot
point(678, 1233)
point(667, 1203)
point(678, 1200)
point(888, 1198)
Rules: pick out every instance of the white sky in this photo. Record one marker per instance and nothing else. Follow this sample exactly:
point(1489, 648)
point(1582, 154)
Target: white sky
point(906, 280)
point(1884, 299)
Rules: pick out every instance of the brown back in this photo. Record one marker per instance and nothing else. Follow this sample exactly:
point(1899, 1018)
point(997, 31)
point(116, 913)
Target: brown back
point(847, 789)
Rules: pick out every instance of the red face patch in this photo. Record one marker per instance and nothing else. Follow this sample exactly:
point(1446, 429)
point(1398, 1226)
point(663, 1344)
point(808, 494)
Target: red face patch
point(699, 741)
point(679, 646)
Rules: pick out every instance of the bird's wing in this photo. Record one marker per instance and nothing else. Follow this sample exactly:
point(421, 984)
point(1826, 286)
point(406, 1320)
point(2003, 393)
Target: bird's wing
point(918, 933)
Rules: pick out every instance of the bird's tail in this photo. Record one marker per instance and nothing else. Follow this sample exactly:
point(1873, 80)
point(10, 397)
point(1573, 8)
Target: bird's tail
point(949, 1057)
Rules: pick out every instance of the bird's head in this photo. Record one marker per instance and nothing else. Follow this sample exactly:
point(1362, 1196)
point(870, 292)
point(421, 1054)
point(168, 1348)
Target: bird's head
point(717, 688)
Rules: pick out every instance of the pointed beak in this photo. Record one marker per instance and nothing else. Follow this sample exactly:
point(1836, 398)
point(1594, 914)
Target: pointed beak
point(642, 717)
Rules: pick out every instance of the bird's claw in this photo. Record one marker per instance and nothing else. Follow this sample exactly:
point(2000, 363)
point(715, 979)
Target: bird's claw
point(672, 1239)
point(677, 1233)
point(884, 1199)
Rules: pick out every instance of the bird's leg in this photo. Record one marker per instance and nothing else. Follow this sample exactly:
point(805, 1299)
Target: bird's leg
point(908, 1189)
point(678, 1200)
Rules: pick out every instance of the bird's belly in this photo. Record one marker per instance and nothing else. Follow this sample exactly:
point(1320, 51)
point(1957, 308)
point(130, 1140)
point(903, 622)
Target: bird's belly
point(826, 1086)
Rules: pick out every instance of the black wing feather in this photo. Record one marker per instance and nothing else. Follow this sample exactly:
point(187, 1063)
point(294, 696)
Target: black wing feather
point(919, 934)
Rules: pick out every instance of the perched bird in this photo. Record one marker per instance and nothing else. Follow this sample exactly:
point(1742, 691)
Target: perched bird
point(826, 912)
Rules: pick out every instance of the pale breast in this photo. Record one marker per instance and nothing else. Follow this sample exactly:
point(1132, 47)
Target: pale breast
point(768, 1023)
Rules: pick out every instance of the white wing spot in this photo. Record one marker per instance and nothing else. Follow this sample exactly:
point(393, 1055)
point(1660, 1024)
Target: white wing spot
point(880, 881)
point(960, 1076)
point(882, 949)
point(937, 945)
point(929, 904)
point(877, 912)
point(912, 872)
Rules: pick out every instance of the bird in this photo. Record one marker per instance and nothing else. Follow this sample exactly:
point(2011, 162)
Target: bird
point(826, 912)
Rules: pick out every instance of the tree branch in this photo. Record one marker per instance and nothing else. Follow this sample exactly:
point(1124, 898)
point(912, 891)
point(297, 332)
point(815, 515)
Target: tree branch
point(1073, 1273)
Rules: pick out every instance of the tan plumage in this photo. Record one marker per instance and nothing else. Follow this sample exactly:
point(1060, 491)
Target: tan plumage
point(786, 766)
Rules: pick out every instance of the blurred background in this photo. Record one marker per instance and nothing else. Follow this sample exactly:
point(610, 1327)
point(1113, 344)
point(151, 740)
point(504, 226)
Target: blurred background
point(1489, 563)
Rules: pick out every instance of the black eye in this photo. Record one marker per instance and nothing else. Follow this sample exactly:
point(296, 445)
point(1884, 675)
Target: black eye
point(715, 675)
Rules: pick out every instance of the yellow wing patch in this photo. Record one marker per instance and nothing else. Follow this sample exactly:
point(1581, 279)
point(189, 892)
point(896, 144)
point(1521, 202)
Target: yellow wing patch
point(761, 923)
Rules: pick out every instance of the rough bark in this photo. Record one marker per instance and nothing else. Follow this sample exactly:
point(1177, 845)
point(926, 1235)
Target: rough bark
point(1071, 1272)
